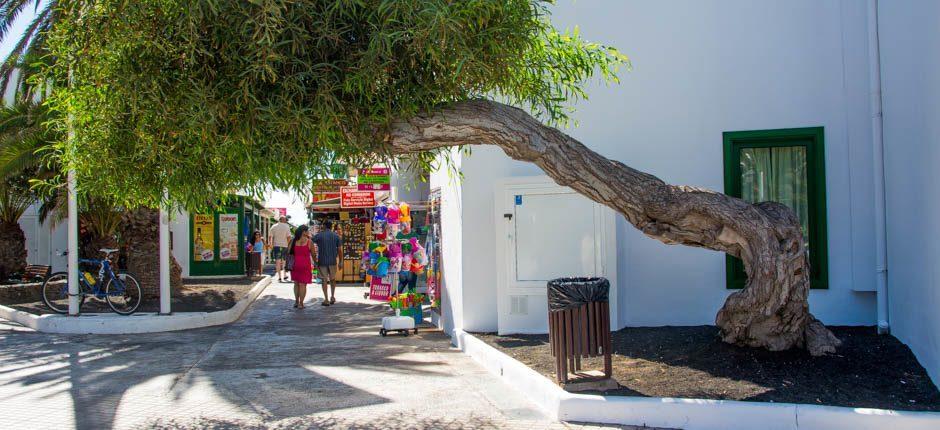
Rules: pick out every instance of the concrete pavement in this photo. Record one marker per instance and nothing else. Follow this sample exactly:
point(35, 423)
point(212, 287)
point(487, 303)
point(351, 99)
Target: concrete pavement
point(278, 367)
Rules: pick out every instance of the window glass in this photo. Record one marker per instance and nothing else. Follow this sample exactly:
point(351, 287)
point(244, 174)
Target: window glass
point(777, 174)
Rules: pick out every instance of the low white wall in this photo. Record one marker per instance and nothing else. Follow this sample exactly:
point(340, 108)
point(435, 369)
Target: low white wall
point(687, 414)
point(910, 42)
point(137, 323)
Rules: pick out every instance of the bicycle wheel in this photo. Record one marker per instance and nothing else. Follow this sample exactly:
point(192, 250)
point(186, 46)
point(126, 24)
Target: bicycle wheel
point(123, 293)
point(55, 292)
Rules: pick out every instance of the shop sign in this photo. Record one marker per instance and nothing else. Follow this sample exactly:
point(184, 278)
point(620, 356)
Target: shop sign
point(352, 198)
point(321, 197)
point(278, 212)
point(380, 288)
point(328, 185)
point(375, 179)
point(203, 237)
point(228, 237)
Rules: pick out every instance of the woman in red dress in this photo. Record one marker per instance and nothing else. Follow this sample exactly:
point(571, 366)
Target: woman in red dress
point(302, 270)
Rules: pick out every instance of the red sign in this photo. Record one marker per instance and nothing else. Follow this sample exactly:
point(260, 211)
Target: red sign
point(351, 197)
point(279, 212)
point(320, 197)
point(380, 289)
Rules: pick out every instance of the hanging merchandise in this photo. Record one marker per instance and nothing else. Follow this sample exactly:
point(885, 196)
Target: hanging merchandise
point(393, 217)
point(405, 217)
point(395, 255)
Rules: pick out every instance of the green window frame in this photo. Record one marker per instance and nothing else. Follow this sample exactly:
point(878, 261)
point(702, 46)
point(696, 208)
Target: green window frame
point(812, 139)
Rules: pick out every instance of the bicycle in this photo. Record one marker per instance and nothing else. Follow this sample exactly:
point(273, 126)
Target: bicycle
point(121, 290)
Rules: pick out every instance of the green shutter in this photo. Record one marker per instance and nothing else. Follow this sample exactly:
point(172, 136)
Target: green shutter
point(812, 139)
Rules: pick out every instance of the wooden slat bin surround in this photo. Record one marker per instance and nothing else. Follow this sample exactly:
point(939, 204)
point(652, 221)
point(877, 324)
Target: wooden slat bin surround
point(579, 327)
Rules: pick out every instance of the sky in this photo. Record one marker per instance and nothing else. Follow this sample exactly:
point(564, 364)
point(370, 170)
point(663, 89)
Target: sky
point(18, 27)
point(274, 199)
point(289, 200)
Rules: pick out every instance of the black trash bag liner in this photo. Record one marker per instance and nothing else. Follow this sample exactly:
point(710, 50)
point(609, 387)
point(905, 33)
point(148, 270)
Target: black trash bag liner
point(570, 293)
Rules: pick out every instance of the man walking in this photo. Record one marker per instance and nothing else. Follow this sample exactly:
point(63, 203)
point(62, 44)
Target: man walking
point(328, 247)
point(279, 237)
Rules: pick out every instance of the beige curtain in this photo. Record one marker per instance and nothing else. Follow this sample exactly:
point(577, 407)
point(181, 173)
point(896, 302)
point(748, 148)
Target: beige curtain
point(777, 174)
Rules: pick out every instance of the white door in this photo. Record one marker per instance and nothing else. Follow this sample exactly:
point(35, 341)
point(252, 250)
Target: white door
point(30, 226)
point(553, 236)
point(547, 232)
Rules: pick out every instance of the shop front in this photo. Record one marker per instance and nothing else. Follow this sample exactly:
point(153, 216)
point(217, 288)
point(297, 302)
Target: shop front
point(217, 238)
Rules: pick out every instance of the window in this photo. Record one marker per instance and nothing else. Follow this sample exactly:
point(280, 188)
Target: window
point(785, 166)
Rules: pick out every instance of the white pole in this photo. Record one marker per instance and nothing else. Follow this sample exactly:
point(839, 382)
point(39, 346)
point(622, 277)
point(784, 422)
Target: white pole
point(878, 148)
point(164, 260)
point(73, 245)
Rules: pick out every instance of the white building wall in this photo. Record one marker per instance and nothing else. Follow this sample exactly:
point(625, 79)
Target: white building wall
point(702, 68)
point(910, 42)
point(179, 229)
point(452, 251)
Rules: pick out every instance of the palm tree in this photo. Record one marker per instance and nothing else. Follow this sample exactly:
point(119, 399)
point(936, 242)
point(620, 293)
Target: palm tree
point(31, 45)
point(15, 199)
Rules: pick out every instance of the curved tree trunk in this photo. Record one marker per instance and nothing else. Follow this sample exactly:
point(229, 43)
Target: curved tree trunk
point(12, 249)
point(771, 311)
point(140, 231)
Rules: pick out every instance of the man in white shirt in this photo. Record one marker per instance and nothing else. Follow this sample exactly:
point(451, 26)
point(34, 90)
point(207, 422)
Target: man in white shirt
point(279, 237)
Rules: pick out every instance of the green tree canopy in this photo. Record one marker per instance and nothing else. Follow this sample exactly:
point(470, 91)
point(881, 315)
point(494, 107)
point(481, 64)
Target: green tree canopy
point(203, 97)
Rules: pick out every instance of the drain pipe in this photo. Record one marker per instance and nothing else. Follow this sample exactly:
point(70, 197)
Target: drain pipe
point(878, 150)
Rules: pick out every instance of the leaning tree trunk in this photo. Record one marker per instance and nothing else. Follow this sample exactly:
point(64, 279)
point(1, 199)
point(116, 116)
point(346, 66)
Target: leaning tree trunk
point(771, 311)
point(140, 231)
point(12, 249)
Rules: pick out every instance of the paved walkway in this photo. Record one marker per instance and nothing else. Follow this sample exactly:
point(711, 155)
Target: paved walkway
point(323, 367)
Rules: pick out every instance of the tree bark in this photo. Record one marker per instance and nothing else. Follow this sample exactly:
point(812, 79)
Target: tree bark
point(770, 312)
point(12, 249)
point(140, 231)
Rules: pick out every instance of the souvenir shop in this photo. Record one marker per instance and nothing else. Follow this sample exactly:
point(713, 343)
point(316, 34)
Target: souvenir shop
point(401, 259)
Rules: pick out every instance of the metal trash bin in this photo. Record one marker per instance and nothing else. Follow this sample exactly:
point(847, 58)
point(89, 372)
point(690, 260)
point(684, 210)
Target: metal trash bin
point(579, 326)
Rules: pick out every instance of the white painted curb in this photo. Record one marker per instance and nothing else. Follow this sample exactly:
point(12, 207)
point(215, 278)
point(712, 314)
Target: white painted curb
point(688, 414)
point(138, 323)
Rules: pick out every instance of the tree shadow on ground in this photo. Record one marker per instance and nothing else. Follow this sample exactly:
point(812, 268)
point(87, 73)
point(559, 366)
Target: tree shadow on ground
point(97, 372)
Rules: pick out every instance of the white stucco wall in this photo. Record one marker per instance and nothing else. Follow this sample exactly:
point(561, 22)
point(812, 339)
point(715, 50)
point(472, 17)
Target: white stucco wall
point(452, 252)
point(701, 69)
point(44, 241)
point(179, 229)
point(910, 42)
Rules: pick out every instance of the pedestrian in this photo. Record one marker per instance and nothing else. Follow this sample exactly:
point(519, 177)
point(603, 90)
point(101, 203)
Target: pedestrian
point(257, 250)
point(302, 270)
point(278, 237)
point(328, 250)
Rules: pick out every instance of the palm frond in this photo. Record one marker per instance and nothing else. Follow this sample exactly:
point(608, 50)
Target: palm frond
point(15, 199)
point(32, 41)
point(9, 11)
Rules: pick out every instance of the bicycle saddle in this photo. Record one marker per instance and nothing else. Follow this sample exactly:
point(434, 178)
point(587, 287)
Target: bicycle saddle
point(109, 250)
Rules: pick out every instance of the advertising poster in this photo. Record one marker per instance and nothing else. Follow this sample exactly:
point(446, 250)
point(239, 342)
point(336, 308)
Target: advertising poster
point(352, 198)
point(375, 179)
point(203, 237)
point(278, 212)
point(380, 289)
point(228, 237)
